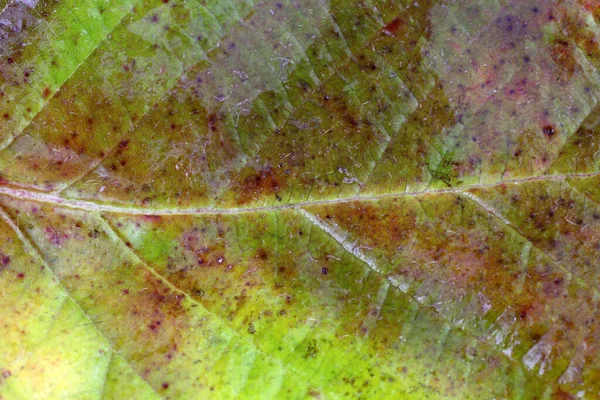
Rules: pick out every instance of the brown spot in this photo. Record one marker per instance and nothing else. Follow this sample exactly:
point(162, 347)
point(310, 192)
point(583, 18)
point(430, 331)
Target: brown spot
point(262, 254)
point(46, 92)
point(258, 184)
point(525, 312)
point(123, 144)
point(549, 130)
point(393, 27)
point(562, 395)
point(562, 55)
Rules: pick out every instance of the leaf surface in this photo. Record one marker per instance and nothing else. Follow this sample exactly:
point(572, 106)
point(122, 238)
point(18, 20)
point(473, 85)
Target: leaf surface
point(299, 199)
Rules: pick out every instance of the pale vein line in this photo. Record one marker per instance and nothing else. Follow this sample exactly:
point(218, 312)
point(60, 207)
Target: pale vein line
point(341, 239)
point(515, 229)
point(110, 359)
point(92, 206)
point(36, 253)
point(227, 29)
point(112, 232)
point(92, 50)
point(479, 202)
point(581, 192)
point(8, 4)
point(559, 151)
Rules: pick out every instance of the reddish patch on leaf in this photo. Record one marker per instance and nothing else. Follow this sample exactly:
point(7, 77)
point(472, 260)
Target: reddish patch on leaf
point(393, 27)
point(562, 54)
point(152, 218)
point(261, 183)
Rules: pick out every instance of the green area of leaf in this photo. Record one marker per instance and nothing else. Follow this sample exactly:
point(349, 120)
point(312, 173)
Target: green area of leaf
point(299, 199)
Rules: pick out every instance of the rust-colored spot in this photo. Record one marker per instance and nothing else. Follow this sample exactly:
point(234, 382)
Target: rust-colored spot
point(257, 184)
point(262, 254)
point(393, 27)
point(46, 92)
point(152, 218)
point(562, 54)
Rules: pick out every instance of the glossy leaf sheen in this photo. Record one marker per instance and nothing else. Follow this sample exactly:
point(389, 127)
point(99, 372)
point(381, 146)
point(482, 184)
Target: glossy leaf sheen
point(299, 199)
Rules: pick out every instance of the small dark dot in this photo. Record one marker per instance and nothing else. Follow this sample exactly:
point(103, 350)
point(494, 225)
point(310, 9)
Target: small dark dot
point(549, 130)
point(526, 59)
point(324, 271)
point(165, 385)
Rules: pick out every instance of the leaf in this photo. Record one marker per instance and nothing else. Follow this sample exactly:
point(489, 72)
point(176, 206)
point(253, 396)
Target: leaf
point(299, 199)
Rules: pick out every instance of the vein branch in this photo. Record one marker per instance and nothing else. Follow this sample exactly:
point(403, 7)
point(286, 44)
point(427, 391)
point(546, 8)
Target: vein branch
point(106, 225)
point(37, 254)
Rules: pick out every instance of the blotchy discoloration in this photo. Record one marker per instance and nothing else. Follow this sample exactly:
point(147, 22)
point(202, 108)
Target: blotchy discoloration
point(299, 198)
point(157, 328)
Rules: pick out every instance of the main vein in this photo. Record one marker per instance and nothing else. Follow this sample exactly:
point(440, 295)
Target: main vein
point(103, 207)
